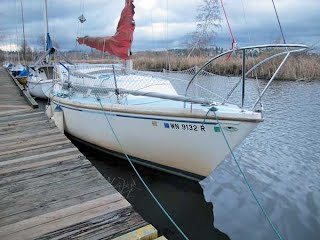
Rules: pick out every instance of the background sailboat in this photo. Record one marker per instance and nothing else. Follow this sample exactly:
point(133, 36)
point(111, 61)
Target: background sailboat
point(42, 71)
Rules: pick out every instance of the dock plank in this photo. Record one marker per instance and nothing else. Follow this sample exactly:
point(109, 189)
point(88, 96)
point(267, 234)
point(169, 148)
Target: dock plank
point(27, 136)
point(62, 218)
point(48, 196)
point(20, 116)
point(66, 166)
point(34, 147)
point(31, 152)
point(38, 157)
point(98, 228)
point(23, 121)
point(81, 197)
point(34, 183)
point(31, 142)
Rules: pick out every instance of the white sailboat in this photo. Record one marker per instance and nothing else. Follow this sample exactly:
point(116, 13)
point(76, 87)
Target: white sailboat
point(42, 74)
point(166, 121)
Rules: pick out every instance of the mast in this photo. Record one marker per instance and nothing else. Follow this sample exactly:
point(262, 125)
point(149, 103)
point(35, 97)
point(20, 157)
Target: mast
point(24, 36)
point(46, 28)
point(17, 36)
point(128, 63)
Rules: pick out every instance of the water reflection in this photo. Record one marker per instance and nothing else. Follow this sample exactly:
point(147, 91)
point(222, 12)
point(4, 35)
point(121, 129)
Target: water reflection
point(281, 159)
point(182, 198)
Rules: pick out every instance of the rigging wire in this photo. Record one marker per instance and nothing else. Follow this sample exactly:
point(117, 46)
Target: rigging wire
point(168, 59)
point(313, 46)
point(78, 35)
point(138, 174)
point(245, 19)
point(103, 50)
point(275, 10)
point(251, 53)
point(17, 44)
point(152, 30)
point(276, 231)
point(24, 35)
point(80, 30)
point(233, 43)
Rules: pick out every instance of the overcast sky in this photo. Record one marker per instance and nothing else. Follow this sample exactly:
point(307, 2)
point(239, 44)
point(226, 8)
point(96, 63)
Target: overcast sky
point(252, 21)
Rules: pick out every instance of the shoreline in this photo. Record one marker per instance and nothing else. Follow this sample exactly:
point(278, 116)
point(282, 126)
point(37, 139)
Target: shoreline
point(304, 67)
point(299, 67)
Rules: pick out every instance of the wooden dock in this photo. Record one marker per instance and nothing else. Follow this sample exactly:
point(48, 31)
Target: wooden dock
point(23, 90)
point(48, 189)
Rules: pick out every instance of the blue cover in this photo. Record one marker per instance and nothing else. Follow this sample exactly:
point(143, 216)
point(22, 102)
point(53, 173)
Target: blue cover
point(23, 73)
point(49, 43)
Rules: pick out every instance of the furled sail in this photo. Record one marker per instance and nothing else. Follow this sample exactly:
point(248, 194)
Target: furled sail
point(120, 44)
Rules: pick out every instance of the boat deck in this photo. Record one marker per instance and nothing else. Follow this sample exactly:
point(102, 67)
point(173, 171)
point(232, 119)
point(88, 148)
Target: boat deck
point(48, 189)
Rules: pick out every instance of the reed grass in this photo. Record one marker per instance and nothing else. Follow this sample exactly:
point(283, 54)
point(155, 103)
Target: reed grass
point(304, 66)
point(298, 67)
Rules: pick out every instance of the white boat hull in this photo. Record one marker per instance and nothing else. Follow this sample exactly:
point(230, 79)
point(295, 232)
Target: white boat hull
point(183, 144)
point(40, 89)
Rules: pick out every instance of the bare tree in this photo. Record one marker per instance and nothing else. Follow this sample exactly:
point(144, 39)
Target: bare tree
point(1, 56)
point(1, 52)
point(26, 51)
point(208, 21)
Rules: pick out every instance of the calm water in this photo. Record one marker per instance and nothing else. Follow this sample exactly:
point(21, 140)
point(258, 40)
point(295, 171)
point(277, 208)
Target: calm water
point(281, 158)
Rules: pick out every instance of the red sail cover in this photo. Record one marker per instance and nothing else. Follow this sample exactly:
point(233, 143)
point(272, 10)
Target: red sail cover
point(120, 44)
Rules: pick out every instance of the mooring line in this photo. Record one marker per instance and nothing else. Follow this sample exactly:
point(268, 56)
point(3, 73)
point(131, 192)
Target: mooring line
point(140, 177)
point(277, 233)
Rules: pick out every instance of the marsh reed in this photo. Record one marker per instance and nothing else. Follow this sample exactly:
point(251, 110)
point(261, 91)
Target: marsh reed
point(298, 67)
point(304, 66)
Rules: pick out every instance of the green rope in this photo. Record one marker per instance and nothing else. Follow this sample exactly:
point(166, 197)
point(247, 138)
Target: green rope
point(277, 233)
point(140, 177)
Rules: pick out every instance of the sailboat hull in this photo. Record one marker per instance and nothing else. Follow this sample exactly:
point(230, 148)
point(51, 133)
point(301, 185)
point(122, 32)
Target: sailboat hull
point(40, 89)
point(182, 144)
